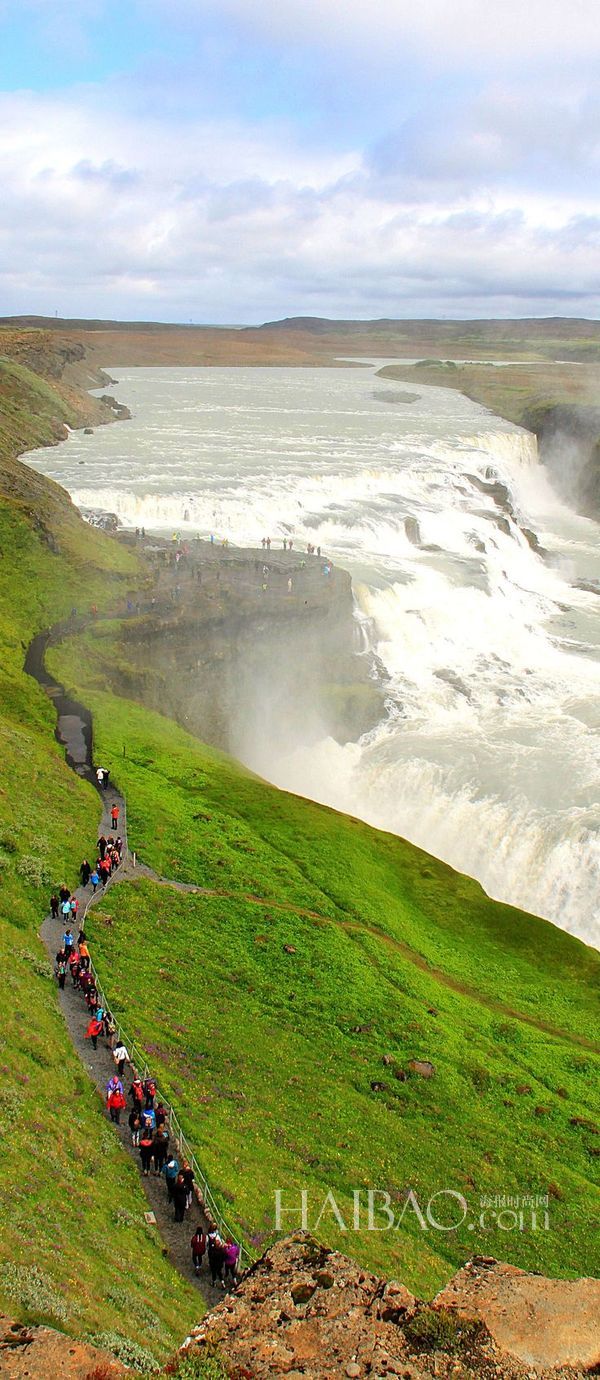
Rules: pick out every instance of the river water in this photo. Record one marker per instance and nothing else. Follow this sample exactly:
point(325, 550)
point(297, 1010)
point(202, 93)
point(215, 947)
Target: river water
point(488, 753)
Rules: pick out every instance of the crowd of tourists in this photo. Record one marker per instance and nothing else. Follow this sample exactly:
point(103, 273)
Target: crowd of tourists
point(147, 1118)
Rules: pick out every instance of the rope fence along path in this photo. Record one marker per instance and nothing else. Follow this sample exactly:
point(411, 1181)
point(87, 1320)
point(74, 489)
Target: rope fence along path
point(139, 1064)
point(74, 731)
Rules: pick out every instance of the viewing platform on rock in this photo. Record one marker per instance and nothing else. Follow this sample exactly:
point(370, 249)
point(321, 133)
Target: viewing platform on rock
point(215, 579)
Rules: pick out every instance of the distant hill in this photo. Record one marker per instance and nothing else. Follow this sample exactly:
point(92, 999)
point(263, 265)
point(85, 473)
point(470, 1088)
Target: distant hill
point(72, 323)
point(525, 328)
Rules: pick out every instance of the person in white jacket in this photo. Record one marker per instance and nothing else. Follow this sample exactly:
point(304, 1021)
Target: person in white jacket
point(121, 1057)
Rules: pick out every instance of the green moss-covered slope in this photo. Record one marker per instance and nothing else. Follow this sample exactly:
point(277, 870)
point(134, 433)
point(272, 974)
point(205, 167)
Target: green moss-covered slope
point(332, 957)
point(74, 1248)
point(41, 378)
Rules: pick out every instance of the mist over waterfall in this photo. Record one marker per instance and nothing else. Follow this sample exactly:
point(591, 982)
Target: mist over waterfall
point(475, 592)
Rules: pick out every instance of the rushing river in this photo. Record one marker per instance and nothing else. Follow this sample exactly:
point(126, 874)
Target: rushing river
point(489, 752)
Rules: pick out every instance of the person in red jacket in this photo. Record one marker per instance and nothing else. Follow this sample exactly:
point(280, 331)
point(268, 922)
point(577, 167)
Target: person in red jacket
point(115, 1103)
point(93, 1031)
point(137, 1093)
point(198, 1245)
point(114, 816)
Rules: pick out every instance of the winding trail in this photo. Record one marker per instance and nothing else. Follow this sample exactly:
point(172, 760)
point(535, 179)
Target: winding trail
point(74, 731)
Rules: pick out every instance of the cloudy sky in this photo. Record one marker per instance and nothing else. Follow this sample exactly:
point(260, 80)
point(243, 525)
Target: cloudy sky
point(235, 161)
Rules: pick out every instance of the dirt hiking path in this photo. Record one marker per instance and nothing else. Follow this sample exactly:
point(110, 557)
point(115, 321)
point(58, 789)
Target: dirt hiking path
point(74, 731)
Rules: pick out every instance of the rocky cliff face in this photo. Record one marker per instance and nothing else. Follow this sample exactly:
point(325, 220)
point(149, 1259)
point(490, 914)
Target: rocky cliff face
point(569, 441)
point(231, 654)
point(306, 1312)
point(43, 381)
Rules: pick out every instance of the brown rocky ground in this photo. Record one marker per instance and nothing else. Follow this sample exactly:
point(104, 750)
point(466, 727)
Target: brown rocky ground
point(545, 1322)
point(305, 1311)
point(40, 1353)
point(308, 1313)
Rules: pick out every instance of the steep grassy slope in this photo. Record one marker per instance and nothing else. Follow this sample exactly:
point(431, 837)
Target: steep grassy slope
point(38, 399)
point(334, 956)
point(74, 1247)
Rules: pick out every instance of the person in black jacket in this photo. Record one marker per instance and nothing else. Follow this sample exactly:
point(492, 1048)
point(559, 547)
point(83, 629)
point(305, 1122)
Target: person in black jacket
point(135, 1126)
point(188, 1179)
point(145, 1148)
point(160, 1148)
point(216, 1257)
point(179, 1197)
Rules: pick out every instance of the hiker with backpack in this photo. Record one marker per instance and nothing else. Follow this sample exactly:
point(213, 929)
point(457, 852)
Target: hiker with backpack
point(146, 1144)
point(116, 1104)
point(136, 1093)
point(216, 1258)
point(160, 1148)
point(198, 1245)
point(188, 1179)
point(135, 1126)
point(231, 1256)
point(170, 1170)
point(93, 1031)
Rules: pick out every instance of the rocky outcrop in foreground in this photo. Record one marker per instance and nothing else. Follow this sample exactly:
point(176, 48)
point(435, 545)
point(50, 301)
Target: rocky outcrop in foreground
point(543, 1322)
point(308, 1313)
point(312, 1314)
point(40, 1353)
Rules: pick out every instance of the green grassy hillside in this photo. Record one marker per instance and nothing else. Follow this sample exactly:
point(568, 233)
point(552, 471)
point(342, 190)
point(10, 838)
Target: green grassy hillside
point(74, 1247)
point(36, 401)
point(334, 956)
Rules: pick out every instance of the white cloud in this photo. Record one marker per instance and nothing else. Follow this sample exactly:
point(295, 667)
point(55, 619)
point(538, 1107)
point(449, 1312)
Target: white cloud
point(439, 31)
point(105, 211)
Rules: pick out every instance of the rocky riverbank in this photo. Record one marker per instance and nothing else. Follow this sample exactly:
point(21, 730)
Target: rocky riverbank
point(44, 377)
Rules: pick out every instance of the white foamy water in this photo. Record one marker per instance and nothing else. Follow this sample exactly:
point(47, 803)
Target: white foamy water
point(489, 752)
